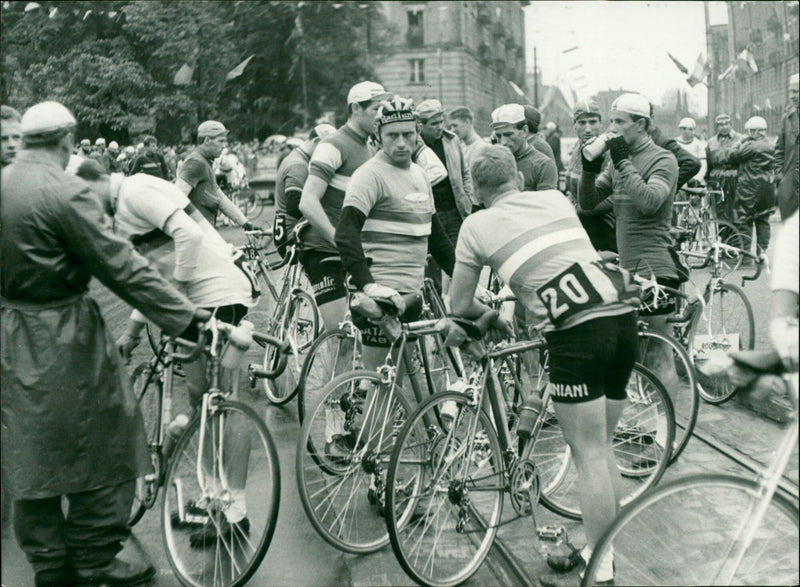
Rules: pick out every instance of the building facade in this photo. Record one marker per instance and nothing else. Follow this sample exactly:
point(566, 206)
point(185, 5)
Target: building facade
point(769, 31)
point(462, 53)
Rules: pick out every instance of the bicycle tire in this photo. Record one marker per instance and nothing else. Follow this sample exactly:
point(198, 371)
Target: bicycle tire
point(146, 387)
point(301, 322)
point(644, 436)
point(684, 390)
point(687, 518)
point(231, 559)
point(728, 300)
point(711, 231)
point(342, 494)
point(333, 353)
point(446, 519)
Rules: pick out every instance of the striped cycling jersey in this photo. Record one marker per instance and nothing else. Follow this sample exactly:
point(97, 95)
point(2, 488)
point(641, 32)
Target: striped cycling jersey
point(334, 161)
point(528, 238)
point(398, 205)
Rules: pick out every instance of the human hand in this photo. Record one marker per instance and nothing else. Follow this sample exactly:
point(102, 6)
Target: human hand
point(619, 150)
point(376, 290)
point(126, 343)
point(783, 332)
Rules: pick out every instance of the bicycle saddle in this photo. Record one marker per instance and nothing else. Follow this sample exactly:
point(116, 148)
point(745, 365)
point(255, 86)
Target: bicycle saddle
point(763, 361)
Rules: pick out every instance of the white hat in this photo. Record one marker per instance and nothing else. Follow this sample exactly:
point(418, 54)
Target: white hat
point(508, 114)
point(427, 109)
point(363, 91)
point(46, 117)
point(755, 123)
point(100, 141)
point(687, 123)
point(113, 145)
point(632, 104)
point(550, 125)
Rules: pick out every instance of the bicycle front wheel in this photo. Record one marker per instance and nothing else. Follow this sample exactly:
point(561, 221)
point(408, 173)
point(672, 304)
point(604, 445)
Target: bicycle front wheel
point(730, 326)
point(445, 487)
point(643, 442)
point(332, 354)
point(684, 532)
point(301, 325)
point(671, 363)
point(221, 500)
point(342, 455)
point(715, 230)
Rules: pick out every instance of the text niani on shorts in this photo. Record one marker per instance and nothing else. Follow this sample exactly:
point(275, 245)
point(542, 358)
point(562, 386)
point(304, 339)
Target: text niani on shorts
point(570, 390)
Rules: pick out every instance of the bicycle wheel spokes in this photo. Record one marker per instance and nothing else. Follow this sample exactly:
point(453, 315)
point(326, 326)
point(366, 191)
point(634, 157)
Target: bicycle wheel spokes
point(643, 443)
point(670, 362)
point(300, 327)
point(728, 324)
point(146, 387)
point(684, 533)
point(332, 354)
point(218, 523)
point(342, 455)
point(444, 491)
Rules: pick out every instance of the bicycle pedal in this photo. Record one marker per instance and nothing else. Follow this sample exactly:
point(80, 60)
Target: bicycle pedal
point(551, 533)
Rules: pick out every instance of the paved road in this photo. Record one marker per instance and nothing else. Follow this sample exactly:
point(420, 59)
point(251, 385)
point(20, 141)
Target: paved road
point(298, 556)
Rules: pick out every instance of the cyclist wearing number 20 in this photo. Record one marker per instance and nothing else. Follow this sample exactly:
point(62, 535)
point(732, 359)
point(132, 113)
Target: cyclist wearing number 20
point(545, 256)
point(292, 175)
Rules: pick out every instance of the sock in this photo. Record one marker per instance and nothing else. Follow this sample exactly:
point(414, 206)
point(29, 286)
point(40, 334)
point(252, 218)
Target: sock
point(606, 570)
point(238, 508)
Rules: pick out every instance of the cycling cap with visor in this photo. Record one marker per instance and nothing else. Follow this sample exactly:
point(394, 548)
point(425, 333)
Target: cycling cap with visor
point(395, 110)
point(585, 109)
point(46, 118)
point(635, 104)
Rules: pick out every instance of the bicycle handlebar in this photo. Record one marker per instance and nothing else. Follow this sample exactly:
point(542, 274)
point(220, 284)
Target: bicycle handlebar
point(284, 348)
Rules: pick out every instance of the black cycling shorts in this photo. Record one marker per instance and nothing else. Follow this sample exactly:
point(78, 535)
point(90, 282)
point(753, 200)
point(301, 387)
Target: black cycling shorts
point(593, 359)
point(326, 274)
point(372, 335)
point(665, 303)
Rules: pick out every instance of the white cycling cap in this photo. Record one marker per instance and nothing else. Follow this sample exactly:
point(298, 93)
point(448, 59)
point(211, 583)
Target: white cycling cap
point(687, 123)
point(755, 123)
point(632, 104)
point(46, 117)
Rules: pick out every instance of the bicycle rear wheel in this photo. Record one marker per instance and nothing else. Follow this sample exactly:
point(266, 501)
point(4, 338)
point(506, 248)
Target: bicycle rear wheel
point(643, 444)
point(332, 354)
point(240, 475)
point(301, 325)
point(679, 378)
point(445, 487)
point(729, 326)
point(342, 455)
point(679, 534)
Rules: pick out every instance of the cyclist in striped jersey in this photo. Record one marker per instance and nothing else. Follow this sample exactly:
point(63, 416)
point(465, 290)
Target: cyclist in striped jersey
point(545, 256)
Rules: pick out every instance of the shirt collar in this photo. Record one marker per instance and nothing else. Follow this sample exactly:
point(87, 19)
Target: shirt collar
point(641, 146)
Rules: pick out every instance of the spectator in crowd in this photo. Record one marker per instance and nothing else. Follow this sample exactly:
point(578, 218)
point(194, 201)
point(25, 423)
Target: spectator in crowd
point(85, 148)
point(196, 178)
point(460, 121)
point(599, 222)
point(538, 171)
point(721, 172)
point(534, 118)
point(71, 427)
point(755, 194)
point(113, 153)
point(688, 164)
point(99, 154)
point(11, 134)
point(787, 158)
point(693, 144)
point(553, 138)
point(150, 161)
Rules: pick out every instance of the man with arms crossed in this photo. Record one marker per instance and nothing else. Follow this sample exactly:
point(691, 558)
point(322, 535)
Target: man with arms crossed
point(333, 163)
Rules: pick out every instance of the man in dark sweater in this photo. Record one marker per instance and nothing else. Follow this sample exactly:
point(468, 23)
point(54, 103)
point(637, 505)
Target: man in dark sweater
point(538, 170)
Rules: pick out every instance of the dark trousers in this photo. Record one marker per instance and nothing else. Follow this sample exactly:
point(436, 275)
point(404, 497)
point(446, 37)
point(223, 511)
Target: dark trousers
point(90, 536)
point(759, 220)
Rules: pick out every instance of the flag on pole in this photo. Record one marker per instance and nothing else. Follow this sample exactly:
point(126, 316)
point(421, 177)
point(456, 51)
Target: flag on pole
point(699, 73)
point(238, 70)
point(678, 64)
point(746, 62)
point(184, 75)
point(727, 72)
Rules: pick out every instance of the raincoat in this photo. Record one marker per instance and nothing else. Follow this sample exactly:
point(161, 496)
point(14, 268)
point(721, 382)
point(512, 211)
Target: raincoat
point(787, 162)
point(754, 191)
point(70, 422)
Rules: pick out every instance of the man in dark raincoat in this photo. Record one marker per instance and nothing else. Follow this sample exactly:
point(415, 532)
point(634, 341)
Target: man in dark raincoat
point(755, 194)
point(720, 172)
point(70, 423)
point(787, 154)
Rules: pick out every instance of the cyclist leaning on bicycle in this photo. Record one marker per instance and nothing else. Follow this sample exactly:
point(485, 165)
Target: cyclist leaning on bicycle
point(545, 256)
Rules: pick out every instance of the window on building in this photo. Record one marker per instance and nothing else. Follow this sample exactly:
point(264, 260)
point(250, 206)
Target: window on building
point(415, 35)
point(417, 67)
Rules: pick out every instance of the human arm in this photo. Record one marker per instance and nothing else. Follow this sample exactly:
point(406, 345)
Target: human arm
point(784, 284)
point(594, 188)
point(115, 263)
point(466, 177)
point(441, 247)
point(311, 207)
point(165, 170)
point(462, 292)
point(230, 209)
point(434, 169)
point(547, 174)
point(348, 242)
point(780, 153)
point(188, 237)
point(688, 164)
